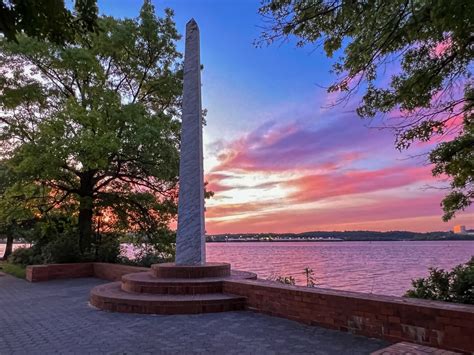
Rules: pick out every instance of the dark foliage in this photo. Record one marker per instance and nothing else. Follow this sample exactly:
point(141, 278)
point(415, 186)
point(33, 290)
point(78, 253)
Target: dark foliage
point(47, 19)
point(456, 285)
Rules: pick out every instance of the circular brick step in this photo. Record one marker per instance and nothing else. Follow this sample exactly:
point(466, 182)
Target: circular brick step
point(173, 271)
point(110, 297)
point(146, 282)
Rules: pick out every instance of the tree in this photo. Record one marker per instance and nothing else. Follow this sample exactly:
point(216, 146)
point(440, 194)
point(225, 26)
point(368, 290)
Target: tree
point(47, 19)
point(432, 91)
point(95, 122)
point(16, 213)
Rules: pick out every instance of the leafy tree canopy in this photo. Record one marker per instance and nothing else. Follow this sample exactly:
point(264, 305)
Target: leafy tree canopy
point(47, 19)
point(431, 93)
point(95, 122)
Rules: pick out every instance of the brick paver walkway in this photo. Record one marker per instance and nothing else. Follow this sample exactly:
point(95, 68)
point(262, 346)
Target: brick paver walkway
point(54, 317)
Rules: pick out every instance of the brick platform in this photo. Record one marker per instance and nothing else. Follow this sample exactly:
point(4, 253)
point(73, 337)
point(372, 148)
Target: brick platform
point(111, 297)
point(395, 319)
point(145, 282)
point(179, 290)
point(171, 270)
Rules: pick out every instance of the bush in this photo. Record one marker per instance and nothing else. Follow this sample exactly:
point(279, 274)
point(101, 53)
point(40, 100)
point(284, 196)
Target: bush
point(290, 280)
point(456, 285)
point(147, 256)
point(108, 249)
point(286, 280)
point(148, 259)
point(57, 241)
point(143, 259)
point(64, 249)
point(22, 256)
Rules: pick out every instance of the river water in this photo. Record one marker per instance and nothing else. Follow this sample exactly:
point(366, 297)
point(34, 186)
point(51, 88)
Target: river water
point(371, 267)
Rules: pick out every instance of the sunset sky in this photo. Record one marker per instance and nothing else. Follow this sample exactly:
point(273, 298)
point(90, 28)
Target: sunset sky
point(278, 156)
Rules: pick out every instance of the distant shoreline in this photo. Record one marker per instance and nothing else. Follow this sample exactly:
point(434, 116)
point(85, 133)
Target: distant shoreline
point(334, 237)
point(339, 236)
point(469, 239)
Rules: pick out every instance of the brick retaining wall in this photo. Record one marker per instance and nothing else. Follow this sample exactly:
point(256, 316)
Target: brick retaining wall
point(38, 273)
point(106, 271)
point(114, 272)
point(439, 324)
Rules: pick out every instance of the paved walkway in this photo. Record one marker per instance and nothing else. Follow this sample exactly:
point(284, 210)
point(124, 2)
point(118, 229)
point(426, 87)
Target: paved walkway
point(54, 317)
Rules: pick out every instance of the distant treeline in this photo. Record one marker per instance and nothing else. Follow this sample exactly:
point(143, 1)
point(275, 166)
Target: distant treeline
point(340, 236)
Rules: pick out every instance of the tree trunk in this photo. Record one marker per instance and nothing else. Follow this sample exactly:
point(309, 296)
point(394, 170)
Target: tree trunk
point(86, 205)
point(8, 247)
point(85, 227)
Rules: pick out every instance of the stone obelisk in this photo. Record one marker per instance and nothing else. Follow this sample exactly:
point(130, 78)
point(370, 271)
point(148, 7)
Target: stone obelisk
point(190, 240)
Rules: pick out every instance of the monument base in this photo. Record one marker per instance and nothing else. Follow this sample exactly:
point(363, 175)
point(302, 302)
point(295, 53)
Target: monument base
point(173, 270)
point(172, 289)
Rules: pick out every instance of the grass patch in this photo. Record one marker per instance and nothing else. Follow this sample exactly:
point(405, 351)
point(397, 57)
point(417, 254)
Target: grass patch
point(14, 270)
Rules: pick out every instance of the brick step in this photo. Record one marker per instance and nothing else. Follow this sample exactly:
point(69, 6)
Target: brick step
point(173, 271)
point(146, 282)
point(110, 297)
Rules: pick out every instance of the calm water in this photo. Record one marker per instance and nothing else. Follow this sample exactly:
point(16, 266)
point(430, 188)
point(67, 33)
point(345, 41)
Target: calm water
point(373, 267)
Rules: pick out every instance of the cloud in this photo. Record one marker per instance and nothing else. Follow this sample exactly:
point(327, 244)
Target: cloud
point(321, 186)
point(331, 172)
point(302, 145)
point(419, 213)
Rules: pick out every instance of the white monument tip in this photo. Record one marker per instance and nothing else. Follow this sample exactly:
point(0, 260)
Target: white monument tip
point(192, 23)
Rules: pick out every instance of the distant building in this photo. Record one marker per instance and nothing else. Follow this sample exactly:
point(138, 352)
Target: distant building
point(459, 229)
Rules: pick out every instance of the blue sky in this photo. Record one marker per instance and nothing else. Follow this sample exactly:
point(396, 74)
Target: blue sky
point(241, 83)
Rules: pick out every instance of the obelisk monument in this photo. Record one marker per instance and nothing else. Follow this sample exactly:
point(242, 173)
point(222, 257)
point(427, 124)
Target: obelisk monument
point(190, 240)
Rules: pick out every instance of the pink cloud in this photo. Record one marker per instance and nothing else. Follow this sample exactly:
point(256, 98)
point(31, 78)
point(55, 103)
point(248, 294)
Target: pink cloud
point(273, 147)
point(328, 160)
point(321, 186)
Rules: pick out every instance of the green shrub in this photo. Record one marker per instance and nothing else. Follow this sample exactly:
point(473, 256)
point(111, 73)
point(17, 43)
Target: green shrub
point(456, 285)
point(57, 241)
point(146, 258)
point(286, 280)
point(64, 249)
point(108, 248)
point(149, 254)
point(290, 280)
point(22, 256)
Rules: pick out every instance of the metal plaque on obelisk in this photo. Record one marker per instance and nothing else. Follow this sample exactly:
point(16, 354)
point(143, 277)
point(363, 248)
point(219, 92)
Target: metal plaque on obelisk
point(190, 240)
